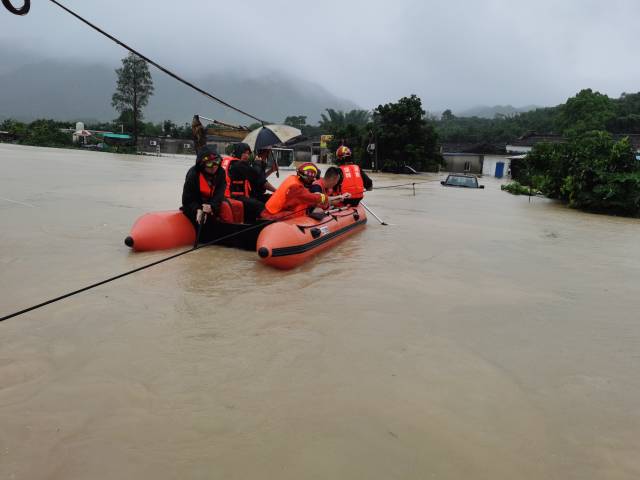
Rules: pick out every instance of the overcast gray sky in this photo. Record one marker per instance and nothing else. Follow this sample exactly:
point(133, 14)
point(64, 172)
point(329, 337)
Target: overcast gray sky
point(453, 54)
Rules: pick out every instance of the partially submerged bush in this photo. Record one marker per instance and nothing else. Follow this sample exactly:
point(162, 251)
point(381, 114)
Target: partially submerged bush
point(516, 188)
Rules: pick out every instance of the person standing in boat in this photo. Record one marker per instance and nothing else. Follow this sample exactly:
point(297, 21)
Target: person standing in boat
point(262, 184)
point(204, 187)
point(354, 180)
point(242, 180)
point(293, 196)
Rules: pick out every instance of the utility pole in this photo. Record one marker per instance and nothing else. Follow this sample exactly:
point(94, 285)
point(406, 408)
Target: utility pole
point(375, 139)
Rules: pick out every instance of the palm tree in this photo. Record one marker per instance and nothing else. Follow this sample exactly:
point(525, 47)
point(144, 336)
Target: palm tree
point(337, 119)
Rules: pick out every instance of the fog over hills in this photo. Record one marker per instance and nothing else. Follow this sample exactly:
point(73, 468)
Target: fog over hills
point(34, 87)
point(485, 111)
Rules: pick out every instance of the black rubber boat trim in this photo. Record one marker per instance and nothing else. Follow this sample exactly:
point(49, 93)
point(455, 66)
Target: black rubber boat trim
point(296, 249)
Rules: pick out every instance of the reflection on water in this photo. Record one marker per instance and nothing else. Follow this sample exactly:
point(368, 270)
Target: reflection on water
point(478, 336)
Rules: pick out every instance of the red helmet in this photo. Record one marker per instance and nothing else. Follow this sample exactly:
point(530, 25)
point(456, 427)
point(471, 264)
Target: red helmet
point(308, 171)
point(343, 152)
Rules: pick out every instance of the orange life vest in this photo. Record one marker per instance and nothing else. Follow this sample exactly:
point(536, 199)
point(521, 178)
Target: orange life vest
point(235, 188)
point(206, 190)
point(278, 200)
point(231, 211)
point(352, 181)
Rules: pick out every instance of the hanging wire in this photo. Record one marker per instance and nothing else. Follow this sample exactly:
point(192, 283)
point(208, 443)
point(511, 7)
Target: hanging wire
point(400, 185)
point(148, 265)
point(27, 5)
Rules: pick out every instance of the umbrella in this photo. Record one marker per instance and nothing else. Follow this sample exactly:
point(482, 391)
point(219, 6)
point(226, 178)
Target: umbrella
point(270, 135)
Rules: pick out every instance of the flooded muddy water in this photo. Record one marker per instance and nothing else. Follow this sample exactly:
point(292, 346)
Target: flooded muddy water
point(479, 335)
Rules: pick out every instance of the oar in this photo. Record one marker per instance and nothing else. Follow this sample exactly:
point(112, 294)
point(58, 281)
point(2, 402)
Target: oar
point(372, 213)
point(203, 218)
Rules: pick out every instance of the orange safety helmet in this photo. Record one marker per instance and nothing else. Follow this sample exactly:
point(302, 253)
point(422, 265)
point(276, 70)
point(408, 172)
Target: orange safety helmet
point(343, 152)
point(308, 171)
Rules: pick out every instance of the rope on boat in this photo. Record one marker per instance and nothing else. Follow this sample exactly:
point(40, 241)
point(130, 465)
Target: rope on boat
point(149, 265)
point(27, 5)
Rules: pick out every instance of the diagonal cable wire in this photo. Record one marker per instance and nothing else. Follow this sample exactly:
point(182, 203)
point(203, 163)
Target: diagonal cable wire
point(148, 265)
point(157, 65)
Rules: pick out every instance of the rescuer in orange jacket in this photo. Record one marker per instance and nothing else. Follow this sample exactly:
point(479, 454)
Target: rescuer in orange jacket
point(293, 196)
point(354, 180)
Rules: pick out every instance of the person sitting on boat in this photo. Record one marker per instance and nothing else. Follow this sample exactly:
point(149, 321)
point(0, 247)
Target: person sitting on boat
point(293, 197)
point(204, 187)
point(262, 185)
point(354, 180)
point(241, 180)
point(328, 184)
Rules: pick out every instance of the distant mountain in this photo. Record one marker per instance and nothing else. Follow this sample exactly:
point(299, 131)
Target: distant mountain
point(66, 90)
point(484, 111)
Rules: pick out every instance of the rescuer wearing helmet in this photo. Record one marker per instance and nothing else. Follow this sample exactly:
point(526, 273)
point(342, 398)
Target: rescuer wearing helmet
point(354, 180)
point(293, 196)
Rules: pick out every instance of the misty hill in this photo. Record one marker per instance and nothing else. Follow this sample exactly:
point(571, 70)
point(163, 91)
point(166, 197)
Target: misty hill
point(81, 91)
point(485, 111)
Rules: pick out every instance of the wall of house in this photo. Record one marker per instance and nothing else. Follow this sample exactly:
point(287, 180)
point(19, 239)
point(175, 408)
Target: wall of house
point(167, 145)
point(463, 162)
point(489, 165)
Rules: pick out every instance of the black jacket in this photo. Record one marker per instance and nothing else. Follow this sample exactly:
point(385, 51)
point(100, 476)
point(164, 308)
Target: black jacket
point(245, 171)
point(260, 170)
point(192, 198)
point(366, 180)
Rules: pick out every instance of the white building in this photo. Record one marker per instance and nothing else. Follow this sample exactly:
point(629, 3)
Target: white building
point(498, 166)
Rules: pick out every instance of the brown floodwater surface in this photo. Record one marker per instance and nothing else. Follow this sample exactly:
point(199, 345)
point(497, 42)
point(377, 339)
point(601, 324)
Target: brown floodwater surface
point(478, 336)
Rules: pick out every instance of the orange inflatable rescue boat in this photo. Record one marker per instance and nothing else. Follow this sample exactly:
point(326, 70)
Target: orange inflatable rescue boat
point(161, 231)
point(290, 242)
point(172, 229)
point(282, 244)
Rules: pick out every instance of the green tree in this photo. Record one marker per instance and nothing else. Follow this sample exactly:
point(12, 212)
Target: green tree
point(133, 90)
point(447, 116)
point(170, 129)
point(627, 114)
point(404, 136)
point(336, 119)
point(296, 121)
point(587, 111)
point(17, 129)
point(47, 133)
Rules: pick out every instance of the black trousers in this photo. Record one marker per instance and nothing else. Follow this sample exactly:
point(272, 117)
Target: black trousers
point(252, 209)
point(261, 197)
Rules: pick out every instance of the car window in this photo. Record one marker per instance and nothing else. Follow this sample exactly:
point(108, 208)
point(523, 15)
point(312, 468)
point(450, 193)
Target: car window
point(458, 181)
point(453, 181)
point(469, 182)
